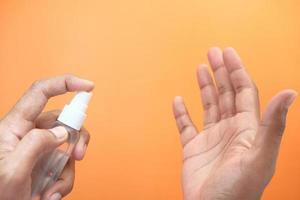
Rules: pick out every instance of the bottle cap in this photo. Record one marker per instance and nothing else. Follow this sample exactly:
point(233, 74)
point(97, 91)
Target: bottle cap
point(74, 114)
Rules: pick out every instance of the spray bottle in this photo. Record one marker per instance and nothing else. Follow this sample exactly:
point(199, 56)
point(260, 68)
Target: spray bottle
point(49, 167)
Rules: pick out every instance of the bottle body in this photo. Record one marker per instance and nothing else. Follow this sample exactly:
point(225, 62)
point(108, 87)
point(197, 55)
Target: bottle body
point(51, 164)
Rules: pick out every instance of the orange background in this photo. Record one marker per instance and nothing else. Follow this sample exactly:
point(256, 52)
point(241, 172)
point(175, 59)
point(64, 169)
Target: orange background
point(141, 54)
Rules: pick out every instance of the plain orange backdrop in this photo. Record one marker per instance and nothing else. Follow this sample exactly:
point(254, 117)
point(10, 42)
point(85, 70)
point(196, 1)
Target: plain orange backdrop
point(140, 54)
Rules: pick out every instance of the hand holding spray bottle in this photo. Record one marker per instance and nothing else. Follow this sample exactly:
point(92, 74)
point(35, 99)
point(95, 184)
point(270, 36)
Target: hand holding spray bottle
point(49, 167)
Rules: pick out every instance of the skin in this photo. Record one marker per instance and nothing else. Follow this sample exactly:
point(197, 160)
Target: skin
point(25, 135)
point(234, 156)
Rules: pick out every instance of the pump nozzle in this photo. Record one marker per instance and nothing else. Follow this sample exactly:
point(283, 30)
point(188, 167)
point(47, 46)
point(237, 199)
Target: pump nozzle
point(73, 115)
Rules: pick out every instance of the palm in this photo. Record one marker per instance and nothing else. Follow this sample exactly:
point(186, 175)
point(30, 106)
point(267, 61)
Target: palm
point(234, 156)
point(213, 154)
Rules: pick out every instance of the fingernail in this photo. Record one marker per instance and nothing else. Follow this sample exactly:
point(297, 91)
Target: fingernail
point(59, 132)
point(88, 82)
point(290, 100)
point(178, 98)
point(55, 196)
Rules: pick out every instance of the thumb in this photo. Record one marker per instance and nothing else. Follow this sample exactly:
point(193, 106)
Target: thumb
point(272, 125)
point(36, 143)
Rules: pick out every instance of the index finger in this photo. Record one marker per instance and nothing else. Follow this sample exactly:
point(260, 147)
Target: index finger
point(31, 104)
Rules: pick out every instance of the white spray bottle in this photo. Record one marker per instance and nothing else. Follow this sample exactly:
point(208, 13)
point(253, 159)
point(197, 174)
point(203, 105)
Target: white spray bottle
point(49, 168)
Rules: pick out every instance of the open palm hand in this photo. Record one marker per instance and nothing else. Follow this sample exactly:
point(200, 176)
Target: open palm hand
point(234, 156)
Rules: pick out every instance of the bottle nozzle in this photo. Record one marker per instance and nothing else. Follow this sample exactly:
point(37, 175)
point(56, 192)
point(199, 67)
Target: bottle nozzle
point(74, 114)
point(81, 100)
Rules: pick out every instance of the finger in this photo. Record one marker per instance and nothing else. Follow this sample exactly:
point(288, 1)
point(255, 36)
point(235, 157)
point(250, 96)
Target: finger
point(184, 123)
point(208, 95)
point(64, 184)
point(36, 143)
point(225, 90)
point(273, 123)
point(81, 146)
point(34, 100)
point(47, 119)
point(246, 99)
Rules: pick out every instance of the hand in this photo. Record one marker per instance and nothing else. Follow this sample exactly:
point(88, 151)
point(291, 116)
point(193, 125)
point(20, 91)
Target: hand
point(234, 156)
point(25, 136)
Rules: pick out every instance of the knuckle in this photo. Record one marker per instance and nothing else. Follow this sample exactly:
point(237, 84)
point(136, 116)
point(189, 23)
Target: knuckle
point(39, 135)
point(68, 76)
point(182, 117)
point(35, 133)
point(222, 89)
point(208, 105)
point(36, 84)
point(274, 127)
point(42, 140)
